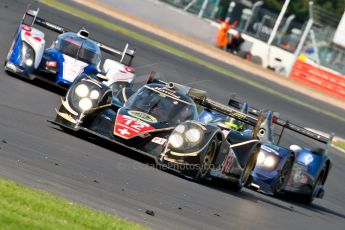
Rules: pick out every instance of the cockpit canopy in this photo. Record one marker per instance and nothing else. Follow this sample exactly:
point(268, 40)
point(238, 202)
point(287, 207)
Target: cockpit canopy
point(165, 105)
point(80, 48)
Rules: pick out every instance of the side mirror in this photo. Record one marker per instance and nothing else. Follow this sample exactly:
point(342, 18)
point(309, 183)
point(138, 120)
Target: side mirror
point(102, 77)
point(295, 148)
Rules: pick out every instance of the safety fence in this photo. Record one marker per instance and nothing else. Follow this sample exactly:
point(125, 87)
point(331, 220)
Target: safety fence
point(206, 9)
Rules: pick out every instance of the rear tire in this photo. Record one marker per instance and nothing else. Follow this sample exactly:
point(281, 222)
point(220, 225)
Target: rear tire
point(308, 199)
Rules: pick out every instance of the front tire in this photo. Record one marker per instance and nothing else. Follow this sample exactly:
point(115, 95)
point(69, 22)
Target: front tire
point(206, 161)
point(204, 167)
point(245, 177)
point(283, 176)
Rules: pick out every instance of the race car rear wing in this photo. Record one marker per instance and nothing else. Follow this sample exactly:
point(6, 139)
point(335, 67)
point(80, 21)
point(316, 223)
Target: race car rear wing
point(286, 125)
point(228, 111)
point(59, 29)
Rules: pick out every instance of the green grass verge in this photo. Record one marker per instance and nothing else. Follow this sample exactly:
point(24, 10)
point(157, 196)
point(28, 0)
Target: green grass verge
point(25, 208)
point(179, 53)
point(340, 144)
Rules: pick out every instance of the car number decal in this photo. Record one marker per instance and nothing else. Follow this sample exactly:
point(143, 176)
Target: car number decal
point(129, 127)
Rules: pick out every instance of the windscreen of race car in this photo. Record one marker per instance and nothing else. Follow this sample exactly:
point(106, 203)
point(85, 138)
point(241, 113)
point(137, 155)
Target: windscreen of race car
point(80, 48)
point(165, 107)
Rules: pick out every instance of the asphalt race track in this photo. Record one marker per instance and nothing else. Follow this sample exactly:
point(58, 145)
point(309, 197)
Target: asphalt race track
point(37, 154)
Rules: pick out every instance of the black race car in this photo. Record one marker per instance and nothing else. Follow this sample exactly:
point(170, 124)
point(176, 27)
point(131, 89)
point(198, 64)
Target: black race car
point(160, 120)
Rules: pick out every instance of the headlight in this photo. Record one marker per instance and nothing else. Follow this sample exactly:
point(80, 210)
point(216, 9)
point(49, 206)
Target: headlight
point(94, 94)
point(85, 104)
point(265, 160)
point(180, 128)
point(269, 162)
point(29, 62)
point(176, 140)
point(261, 158)
point(193, 135)
point(82, 90)
point(186, 137)
point(84, 95)
point(28, 54)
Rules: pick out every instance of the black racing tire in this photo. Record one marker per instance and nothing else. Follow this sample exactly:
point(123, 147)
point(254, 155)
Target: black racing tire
point(206, 160)
point(308, 199)
point(283, 176)
point(245, 178)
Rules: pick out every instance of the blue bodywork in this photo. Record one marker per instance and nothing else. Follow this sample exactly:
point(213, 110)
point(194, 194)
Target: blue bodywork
point(55, 55)
point(266, 177)
point(15, 56)
point(53, 74)
point(306, 167)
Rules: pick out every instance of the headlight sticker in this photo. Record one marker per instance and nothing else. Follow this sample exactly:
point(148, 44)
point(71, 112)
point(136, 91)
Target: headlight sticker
point(159, 140)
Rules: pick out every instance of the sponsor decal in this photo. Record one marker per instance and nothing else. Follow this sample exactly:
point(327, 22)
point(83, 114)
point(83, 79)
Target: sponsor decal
point(143, 116)
point(159, 140)
point(238, 115)
point(51, 64)
point(166, 91)
point(308, 159)
point(72, 68)
point(129, 69)
point(228, 163)
point(71, 40)
point(26, 28)
point(128, 127)
point(54, 26)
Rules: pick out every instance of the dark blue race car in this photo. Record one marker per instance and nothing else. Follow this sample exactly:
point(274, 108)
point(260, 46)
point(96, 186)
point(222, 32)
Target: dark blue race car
point(70, 54)
point(296, 170)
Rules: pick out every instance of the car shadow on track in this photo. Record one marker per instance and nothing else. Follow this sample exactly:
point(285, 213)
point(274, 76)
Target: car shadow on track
point(295, 200)
point(249, 195)
point(284, 203)
point(289, 202)
point(107, 145)
point(41, 84)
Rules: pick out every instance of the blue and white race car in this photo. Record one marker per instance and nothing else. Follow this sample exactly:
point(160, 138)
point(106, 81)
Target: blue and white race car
point(297, 171)
point(70, 55)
